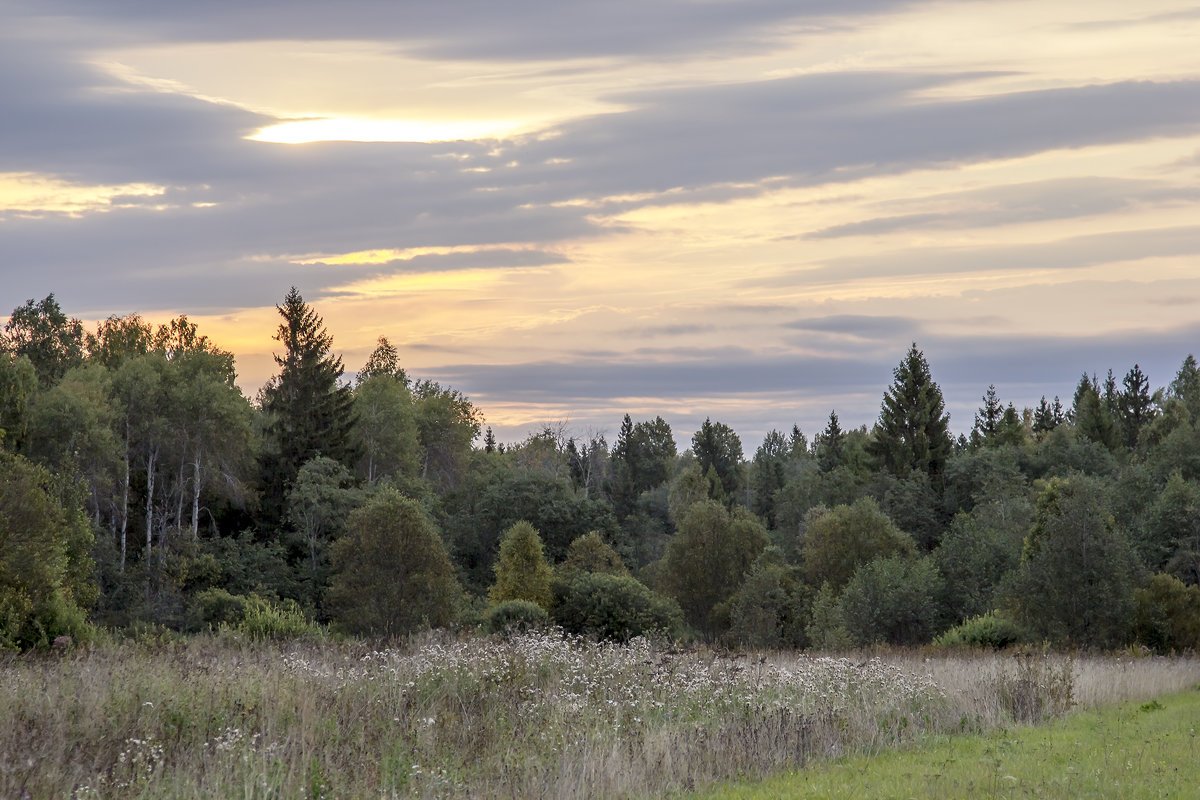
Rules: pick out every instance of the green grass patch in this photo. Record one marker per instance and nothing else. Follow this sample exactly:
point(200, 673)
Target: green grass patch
point(1133, 750)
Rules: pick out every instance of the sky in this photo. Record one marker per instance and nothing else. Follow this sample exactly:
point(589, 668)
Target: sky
point(739, 209)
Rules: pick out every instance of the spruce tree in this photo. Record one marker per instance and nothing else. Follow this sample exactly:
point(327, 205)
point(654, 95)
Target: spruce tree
point(1043, 418)
point(718, 450)
point(912, 434)
point(308, 411)
point(1136, 405)
point(830, 443)
point(987, 418)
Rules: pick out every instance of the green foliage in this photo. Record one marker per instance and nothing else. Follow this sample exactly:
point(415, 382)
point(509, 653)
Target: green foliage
point(709, 558)
point(1092, 420)
point(45, 565)
point(838, 540)
point(447, 423)
point(392, 575)
point(1135, 406)
point(986, 631)
point(521, 570)
point(770, 609)
point(1077, 574)
point(42, 333)
point(590, 553)
point(308, 412)
point(826, 628)
point(768, 475)
point(688, 487)
point(519, 616)
point(214, 607)
point(913, 505)
point(829, 444)
point(719, 450)
point(1167, 615)
point(551, 504)
point(643, 458)
point(18, 381)
point(618, 607)
point(386, 428)
point(894, 600)
point(283, 619)
point(318, 503)
point(1171, 535)
point(978, 551)
point(384, 361)
point(912, 434)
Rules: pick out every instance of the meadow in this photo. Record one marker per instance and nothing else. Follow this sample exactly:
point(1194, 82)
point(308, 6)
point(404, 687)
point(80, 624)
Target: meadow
point(1130, 751)
point(535, 715)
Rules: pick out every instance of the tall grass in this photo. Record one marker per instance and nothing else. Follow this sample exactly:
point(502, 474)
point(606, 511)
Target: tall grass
point(529, 716)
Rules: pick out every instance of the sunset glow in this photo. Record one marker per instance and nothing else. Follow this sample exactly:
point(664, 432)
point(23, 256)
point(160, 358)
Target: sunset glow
point(722, 209)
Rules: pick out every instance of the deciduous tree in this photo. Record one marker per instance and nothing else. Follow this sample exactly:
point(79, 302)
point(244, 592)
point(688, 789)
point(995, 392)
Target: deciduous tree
point(391, 573)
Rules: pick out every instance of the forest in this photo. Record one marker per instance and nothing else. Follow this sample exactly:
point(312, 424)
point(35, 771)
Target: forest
point(140, 490)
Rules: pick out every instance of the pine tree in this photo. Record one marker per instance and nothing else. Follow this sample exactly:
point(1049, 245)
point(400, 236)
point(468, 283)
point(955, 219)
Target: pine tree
point(309, 413)
point(912, 434)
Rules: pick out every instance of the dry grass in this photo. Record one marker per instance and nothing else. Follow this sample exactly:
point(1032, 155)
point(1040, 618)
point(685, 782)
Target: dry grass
point(534, 716)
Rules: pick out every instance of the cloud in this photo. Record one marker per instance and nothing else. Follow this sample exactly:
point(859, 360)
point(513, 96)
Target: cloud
point(519, 30)
point(1062, 198)
point(858, 325)
point(1070, 253)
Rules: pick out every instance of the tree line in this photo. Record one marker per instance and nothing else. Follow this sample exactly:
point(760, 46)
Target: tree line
point(139, 488)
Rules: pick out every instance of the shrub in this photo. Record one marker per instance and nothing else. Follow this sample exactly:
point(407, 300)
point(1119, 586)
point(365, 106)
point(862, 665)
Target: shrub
point(1167, 614)
point(516, 615)
point(616, 607)
point(521, 570)
point(214, 607)
point(989, 630)
point(264, 619)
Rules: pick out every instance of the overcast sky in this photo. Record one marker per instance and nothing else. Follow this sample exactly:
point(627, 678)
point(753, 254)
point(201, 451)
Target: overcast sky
point(743, 209)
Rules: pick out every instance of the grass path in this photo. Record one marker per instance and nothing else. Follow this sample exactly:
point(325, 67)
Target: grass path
point(1134, 750)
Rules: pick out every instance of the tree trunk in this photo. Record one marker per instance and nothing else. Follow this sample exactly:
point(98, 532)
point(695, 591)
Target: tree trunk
point(150, 465)
point(196, 496)
point(125, 498)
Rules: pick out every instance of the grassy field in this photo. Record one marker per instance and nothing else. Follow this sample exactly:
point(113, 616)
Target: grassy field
point(1134, 750)
point(527, 717)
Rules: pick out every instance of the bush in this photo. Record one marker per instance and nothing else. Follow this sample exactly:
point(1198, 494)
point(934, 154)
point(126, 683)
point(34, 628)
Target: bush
point(986, 631)
point(1167, 614)
point(616, 607)
point(516, 615)
point(263, 619)
point(213, 608)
